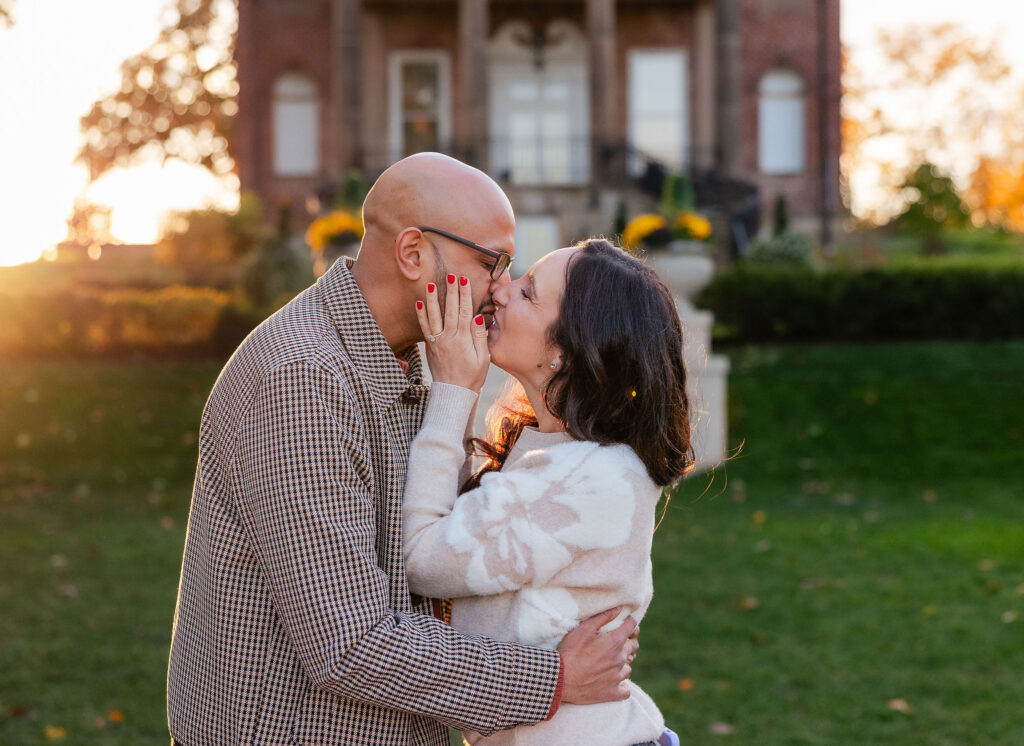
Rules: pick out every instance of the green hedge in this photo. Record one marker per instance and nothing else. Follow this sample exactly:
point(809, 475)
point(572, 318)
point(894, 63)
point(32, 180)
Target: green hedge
point(753, 304)
point(93, 321)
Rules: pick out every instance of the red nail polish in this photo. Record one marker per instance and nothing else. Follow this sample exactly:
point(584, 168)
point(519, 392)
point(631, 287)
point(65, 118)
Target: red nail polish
point(463, 281)
point(451, 279)
point(431, 287)
point(419, 305)
point(479, 320)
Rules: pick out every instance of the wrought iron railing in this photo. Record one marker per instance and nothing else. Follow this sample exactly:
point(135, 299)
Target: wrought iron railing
point(558, 162)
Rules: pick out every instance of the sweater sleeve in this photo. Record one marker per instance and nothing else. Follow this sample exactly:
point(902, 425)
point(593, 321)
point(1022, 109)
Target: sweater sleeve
point(518, 528)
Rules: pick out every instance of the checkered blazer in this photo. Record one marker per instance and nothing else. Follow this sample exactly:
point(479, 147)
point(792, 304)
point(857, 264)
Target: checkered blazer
point(294, 622)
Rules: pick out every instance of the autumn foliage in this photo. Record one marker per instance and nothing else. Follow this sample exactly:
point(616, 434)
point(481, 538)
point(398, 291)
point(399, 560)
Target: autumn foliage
point(177, 98)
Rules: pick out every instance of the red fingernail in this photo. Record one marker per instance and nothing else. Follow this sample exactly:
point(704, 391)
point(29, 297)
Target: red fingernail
point(419, 305)
point(431, 287)
point(479, 320)
point(463, 281)
point(451, 279)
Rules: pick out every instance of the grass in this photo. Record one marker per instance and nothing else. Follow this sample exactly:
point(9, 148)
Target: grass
point(854, 576)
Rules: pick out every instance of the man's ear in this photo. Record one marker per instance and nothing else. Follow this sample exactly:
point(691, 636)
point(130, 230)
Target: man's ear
point(412, 255)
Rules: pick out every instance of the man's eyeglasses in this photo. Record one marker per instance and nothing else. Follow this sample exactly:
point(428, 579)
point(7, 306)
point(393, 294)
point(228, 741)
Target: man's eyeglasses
point(502, 259)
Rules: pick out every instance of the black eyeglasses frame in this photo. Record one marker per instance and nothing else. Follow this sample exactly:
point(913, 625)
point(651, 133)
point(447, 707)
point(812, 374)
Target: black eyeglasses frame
point(502, 259)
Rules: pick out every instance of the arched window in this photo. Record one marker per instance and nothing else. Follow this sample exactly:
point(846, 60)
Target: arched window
point(782, 139)
point(296, 126)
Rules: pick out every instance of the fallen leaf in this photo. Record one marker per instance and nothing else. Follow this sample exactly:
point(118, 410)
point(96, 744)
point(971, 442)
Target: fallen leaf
point(986, 565)
point(115, 716)
point(870, 398)
point(18, 711)
point(899, 705)
point(54, 733)
point(930, 496)
point(23, 440)
point(749, 603)
point(760, 516)
point(1019, 590)
point(1009, 617)
point(762, 546)
point(58, 561)
point(167, 522)
point(67, 591)
point(686, 684)
point(100, 721)
point(721, 729)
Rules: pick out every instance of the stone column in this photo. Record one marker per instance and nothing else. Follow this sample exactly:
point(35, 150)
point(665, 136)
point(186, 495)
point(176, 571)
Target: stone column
point(345, 86)
point(601, 35)
point(471, 128)
point(727, 20)
point(704, 67)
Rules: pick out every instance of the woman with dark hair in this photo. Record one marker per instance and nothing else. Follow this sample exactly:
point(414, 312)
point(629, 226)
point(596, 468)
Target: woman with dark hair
point(557, 524)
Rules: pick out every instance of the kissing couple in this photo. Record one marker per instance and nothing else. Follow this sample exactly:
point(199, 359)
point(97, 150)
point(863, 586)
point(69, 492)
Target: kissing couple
point(358, 568)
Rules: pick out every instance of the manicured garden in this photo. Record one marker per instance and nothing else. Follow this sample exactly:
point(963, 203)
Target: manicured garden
point(854, 575)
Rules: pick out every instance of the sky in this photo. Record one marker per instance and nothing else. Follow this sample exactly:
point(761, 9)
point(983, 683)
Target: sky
point(61, 55)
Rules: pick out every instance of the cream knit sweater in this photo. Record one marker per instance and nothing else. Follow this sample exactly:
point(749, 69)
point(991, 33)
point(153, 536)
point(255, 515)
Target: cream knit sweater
point(562, 532)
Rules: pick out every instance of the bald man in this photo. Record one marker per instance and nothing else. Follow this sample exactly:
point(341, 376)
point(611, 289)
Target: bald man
point(294, 622)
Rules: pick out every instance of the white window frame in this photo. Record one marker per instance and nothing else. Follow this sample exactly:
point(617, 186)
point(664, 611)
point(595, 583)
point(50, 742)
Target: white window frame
point(773, 160)
point(310, 141)
point(684, 146)
point(444, 114)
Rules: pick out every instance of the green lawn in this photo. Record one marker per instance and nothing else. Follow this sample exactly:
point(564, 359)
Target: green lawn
point(855, 575)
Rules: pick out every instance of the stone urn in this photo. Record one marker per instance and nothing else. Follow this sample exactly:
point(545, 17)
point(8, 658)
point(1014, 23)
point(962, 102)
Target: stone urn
point(686, 267)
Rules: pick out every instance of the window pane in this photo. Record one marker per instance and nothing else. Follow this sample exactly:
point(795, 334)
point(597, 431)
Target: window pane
point(657, 105)
point(781, 139)
point(420, 135)
point(420, 86)
point(296, 138)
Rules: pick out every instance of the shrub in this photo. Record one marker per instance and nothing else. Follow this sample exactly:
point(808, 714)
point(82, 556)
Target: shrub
point(784, 250)
point(93, 321)
point(760, 303)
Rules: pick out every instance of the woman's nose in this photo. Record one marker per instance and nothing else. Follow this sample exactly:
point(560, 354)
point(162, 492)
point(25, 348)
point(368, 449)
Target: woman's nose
point(499, 291)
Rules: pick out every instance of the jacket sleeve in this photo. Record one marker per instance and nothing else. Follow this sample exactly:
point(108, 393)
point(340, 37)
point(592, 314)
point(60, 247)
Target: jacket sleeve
point(304, 497)
point(518, 528)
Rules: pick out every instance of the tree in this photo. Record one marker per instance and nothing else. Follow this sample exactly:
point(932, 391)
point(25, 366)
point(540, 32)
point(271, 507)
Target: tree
point(89, 225)
point(933, 207)
point(177, 98)
point(6, 15)
point(935, 94)
point(210, 246)
point(997, 193)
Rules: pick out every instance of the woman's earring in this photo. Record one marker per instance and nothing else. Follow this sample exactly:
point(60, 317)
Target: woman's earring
point(554, 364)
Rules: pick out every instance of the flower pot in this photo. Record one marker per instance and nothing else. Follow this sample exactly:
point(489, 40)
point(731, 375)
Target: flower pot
point(684, 273)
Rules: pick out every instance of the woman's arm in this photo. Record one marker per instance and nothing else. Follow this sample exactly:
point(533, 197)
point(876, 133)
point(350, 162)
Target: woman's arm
point(519, 527)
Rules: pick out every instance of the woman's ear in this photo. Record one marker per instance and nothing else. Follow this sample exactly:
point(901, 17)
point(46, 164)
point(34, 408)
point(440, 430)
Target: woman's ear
point(411, 255)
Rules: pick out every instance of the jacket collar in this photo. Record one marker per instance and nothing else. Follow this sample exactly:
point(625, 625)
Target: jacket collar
point(373, 359)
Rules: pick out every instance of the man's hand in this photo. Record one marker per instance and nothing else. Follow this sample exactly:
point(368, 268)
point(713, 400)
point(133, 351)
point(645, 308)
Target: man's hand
point(596, 665)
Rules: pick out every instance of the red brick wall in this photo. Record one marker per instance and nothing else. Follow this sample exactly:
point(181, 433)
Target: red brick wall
point(275, 37)
point(785, 33)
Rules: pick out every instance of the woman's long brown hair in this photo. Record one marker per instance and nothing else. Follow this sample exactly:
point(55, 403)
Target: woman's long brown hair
point(622, 378)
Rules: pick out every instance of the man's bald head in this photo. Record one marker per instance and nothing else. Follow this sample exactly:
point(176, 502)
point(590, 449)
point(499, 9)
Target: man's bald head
point(396, 259)
point(439, 191)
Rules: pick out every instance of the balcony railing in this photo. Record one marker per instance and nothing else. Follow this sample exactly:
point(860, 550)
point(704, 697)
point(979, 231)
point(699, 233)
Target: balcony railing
point(566, 162)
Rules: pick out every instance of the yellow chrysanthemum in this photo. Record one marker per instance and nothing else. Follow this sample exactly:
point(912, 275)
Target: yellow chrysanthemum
point(692, 225)
point(640, 228)
point(323, 229)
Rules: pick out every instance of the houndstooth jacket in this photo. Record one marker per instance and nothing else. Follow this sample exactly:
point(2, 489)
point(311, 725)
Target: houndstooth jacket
point(294, 622)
